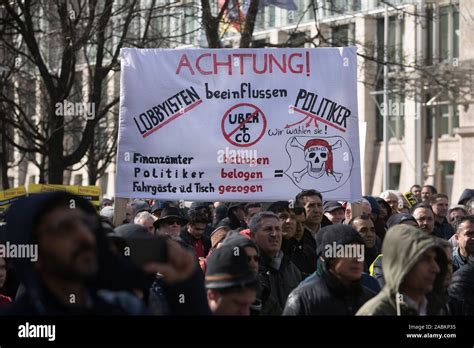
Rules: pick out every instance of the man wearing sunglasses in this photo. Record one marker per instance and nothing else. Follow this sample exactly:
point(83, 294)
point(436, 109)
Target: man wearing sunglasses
point(170, 223)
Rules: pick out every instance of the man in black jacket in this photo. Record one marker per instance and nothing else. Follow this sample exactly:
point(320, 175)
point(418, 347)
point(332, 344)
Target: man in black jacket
point(278, 276)
point(442, 228)
point(312, 201)
point(461, 290)
point(338, 291)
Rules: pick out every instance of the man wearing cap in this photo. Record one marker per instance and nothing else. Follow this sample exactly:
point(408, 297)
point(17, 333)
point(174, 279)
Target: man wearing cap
point(277, 274)
point(334, 211)
point(231, 284)
point(338, 291)
point(170, 223)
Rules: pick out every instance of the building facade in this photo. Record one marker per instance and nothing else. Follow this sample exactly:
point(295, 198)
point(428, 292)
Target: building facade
point(430, 108)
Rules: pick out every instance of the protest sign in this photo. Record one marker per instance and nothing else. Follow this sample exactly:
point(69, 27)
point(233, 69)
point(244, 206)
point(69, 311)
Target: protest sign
point(89, 193)
point(239, 125)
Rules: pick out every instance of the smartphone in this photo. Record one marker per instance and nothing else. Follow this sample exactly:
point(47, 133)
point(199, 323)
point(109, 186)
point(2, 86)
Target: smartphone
point(145, 249)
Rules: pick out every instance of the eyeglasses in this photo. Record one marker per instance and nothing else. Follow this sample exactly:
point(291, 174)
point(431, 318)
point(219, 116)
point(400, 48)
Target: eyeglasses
point(256, 258)
point(172, 222)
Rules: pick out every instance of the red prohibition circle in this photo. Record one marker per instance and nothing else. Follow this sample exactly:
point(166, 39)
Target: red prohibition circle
point(228, 136)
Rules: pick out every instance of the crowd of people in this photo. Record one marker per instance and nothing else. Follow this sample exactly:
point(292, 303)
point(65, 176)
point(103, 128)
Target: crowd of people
point(397, 254)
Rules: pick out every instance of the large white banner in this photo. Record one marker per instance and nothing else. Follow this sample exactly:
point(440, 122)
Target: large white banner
point(238, 125)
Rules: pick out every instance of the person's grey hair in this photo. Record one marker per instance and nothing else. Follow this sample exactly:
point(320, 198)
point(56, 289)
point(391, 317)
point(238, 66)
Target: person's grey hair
point(458, 207)
point(256, 220)
point(360, 201)
point(398, 195)
point(141, 217)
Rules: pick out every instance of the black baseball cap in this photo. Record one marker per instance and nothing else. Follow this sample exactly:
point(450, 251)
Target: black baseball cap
point(330, 206)
point(228, 267)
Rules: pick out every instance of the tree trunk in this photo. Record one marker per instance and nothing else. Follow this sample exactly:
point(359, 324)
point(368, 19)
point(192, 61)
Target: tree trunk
point(3, 157)
point(246, 38)
point(56, 164)
point(92, 165)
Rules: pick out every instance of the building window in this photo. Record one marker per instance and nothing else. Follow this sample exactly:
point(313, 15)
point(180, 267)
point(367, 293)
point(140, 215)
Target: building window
point(447, 177)
point(396, 34)
point(260, 20)
point(395, 113)
point(395, 170)
point(448, 119)
point(271, 16)
point(297, 39)
point(443, 34)
point(340, 35)
point(32, 179)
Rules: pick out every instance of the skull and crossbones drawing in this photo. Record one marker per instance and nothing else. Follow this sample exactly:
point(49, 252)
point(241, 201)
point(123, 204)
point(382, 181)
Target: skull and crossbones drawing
point(318, 154)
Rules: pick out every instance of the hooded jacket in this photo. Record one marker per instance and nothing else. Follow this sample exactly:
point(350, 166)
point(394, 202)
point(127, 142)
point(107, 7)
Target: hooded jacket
point(402, 249)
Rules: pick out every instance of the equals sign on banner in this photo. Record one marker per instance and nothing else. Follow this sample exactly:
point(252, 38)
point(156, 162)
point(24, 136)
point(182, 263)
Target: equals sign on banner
point(278, 173)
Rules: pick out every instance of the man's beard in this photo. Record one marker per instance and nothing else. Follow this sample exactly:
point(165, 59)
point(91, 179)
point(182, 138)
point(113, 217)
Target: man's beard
point(71, 271)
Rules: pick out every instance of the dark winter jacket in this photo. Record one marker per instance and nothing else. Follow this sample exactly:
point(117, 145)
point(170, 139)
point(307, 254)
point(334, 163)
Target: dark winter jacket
point(461, 290)
point(276, 282)
point(326, 295)
point(443, 230)
point(189, 239)
point(294, 249)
